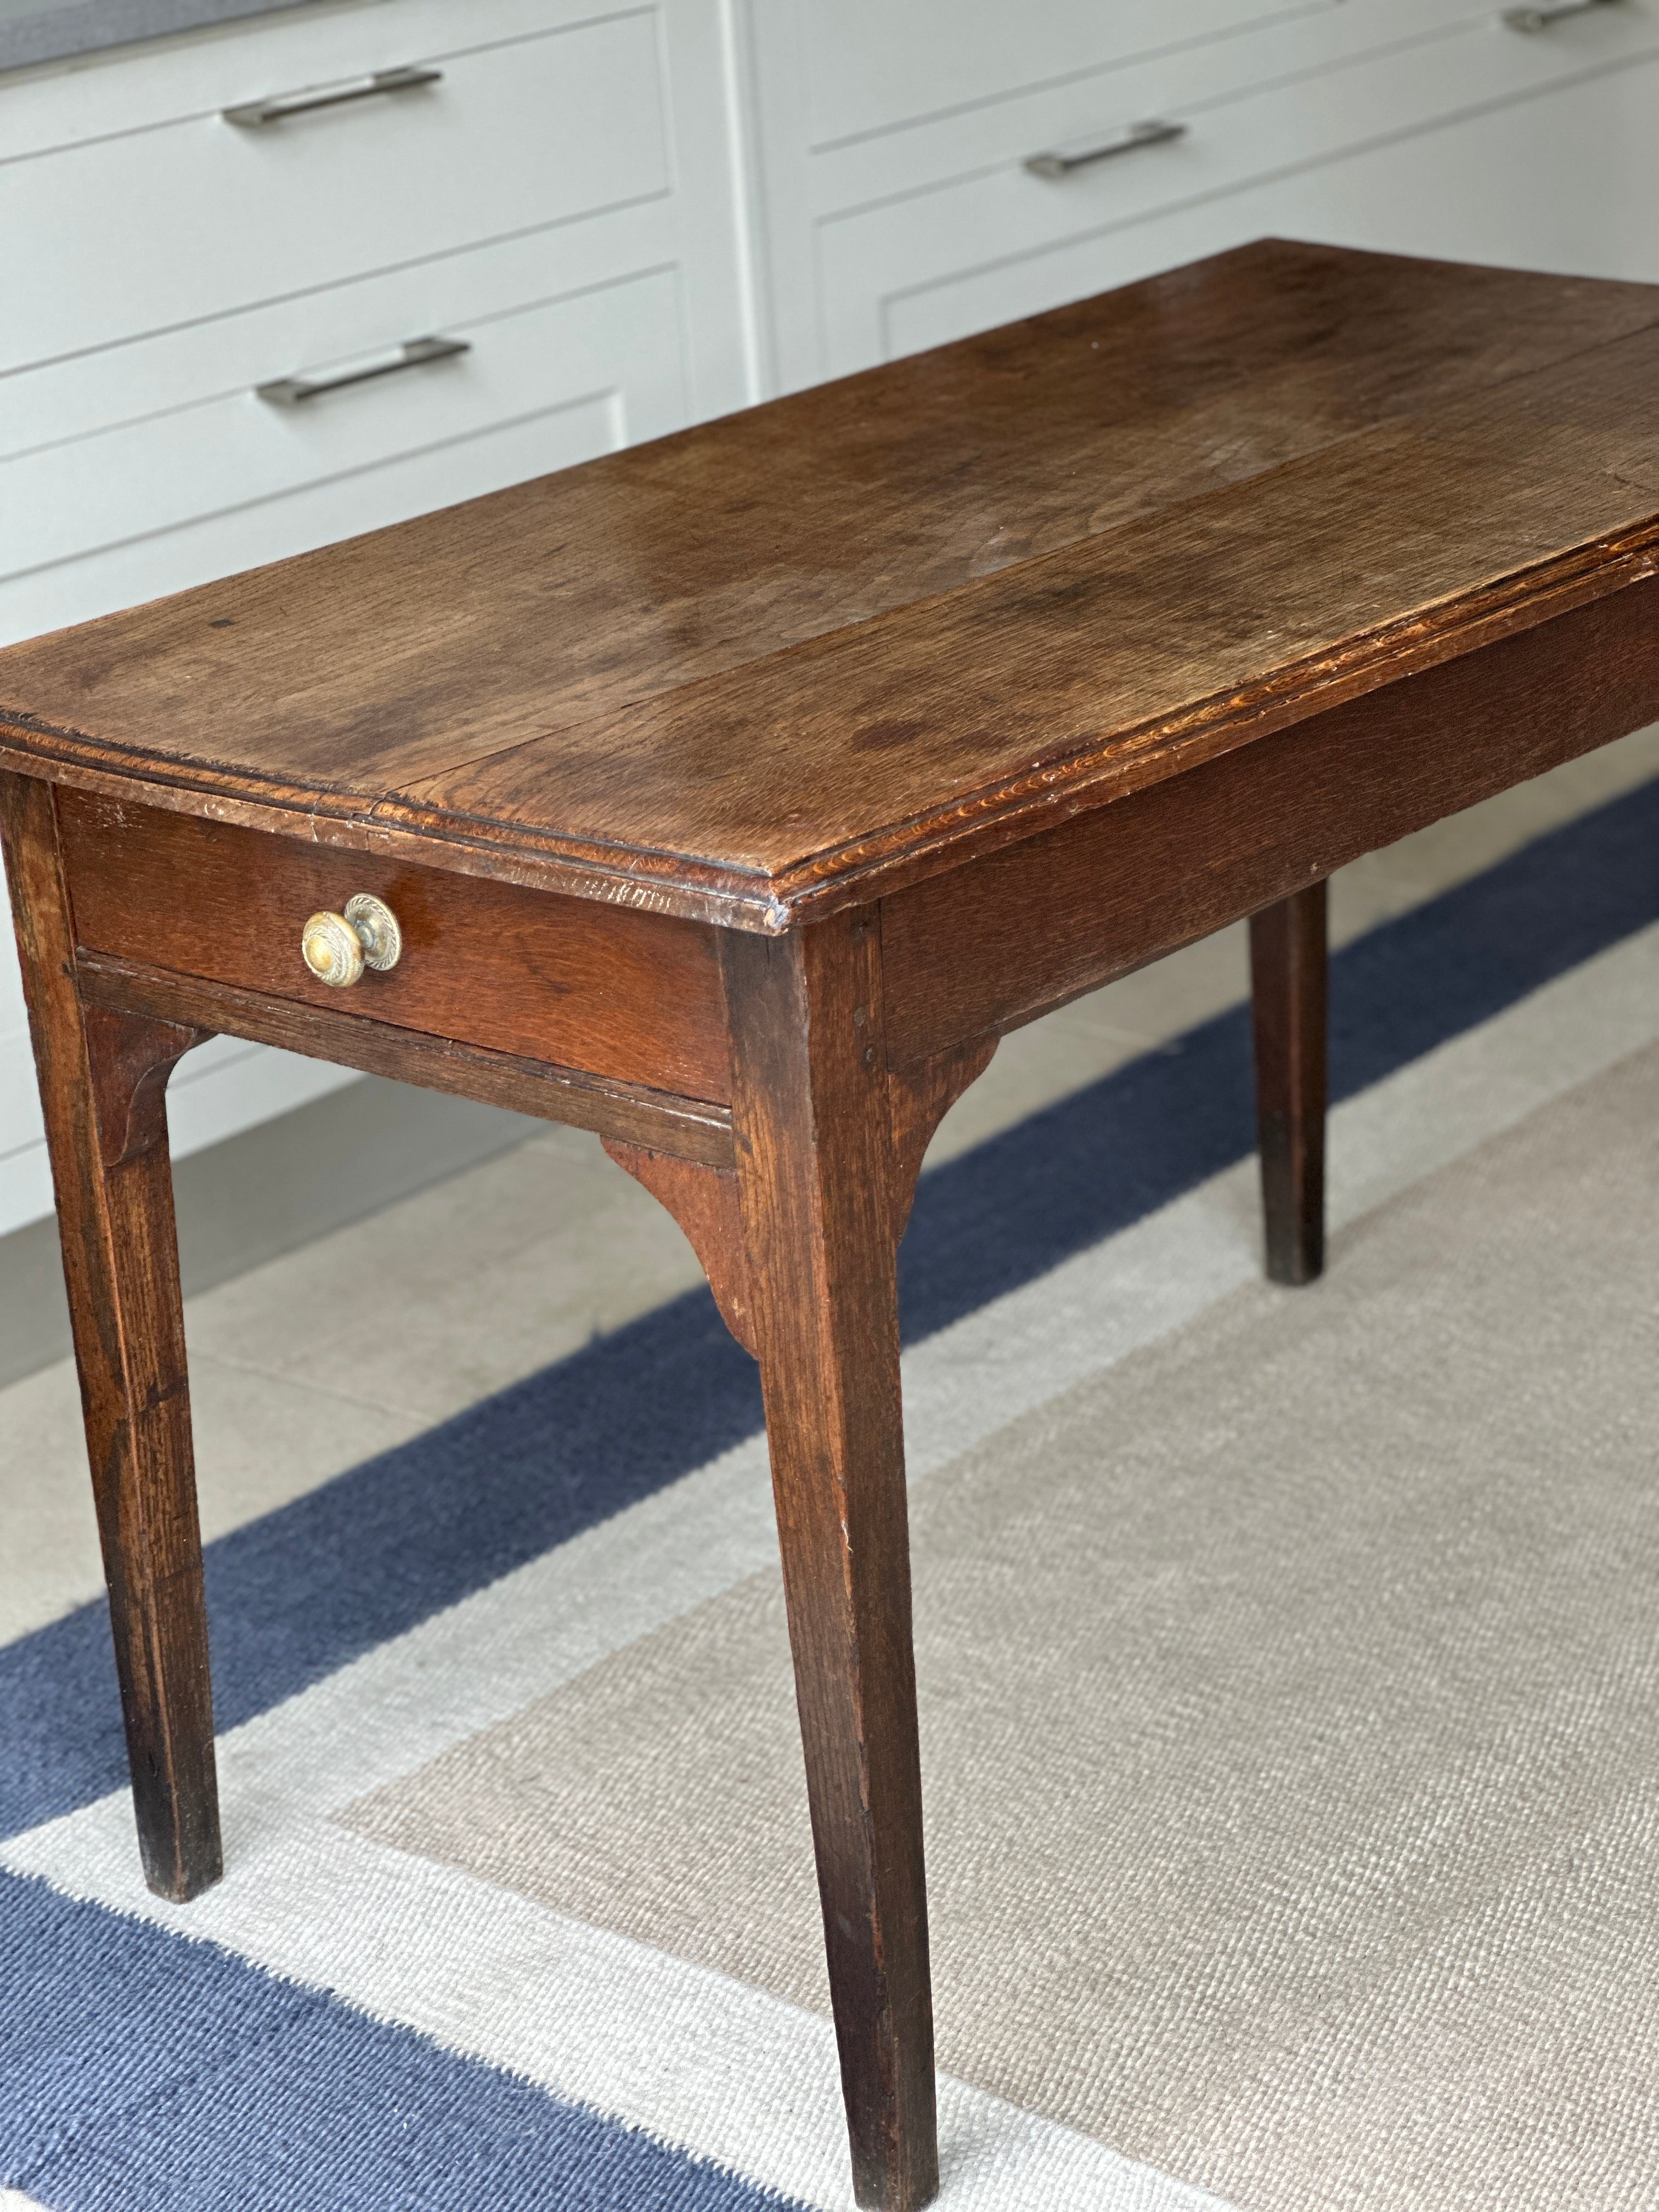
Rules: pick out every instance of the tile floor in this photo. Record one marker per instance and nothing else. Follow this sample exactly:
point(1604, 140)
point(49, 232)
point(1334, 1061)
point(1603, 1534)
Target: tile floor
point(480, 1280)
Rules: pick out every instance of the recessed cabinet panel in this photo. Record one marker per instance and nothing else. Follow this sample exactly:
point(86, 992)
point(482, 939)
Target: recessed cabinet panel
point(1563, 183)
point(101, 522)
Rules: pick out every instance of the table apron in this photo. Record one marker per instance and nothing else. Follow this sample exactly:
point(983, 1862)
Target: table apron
point(687, 1128)
point(1006, 938)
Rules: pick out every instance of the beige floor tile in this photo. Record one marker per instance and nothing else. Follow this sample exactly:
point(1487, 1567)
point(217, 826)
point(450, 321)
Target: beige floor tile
point(260, 1442)
point(471, 1285)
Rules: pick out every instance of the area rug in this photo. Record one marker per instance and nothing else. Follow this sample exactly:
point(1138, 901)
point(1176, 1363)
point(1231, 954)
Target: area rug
point(1287, 1665)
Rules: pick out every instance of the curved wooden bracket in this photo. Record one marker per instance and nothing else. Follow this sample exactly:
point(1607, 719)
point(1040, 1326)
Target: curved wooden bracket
point(131, 1057)
point(704, 1199)
point(920, 1096)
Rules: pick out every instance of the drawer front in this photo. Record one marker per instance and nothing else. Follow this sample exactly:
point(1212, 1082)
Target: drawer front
point(154, 506)
point(119, 387)
point(1565, 182)
point(872, 66)
point(198, 217)
point(943, 261)
point(634, 997)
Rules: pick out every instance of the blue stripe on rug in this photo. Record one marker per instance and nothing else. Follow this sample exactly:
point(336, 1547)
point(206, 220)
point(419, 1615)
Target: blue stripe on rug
point(366, 1557)
point(144, 2072)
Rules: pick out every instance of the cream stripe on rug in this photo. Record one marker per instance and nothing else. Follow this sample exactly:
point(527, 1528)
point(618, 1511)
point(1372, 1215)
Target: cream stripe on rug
point(734, 2073)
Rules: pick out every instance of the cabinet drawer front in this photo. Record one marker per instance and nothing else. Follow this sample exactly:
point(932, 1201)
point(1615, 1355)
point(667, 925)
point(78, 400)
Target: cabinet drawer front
point(199, 218)
point(634, 997)
point(1565, 182)
point(872, 66)
point(133, 385)
point(154, 506)
point(887, 272)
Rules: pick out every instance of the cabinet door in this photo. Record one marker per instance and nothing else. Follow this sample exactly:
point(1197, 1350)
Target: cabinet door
point(872, 67)
point(200, 217)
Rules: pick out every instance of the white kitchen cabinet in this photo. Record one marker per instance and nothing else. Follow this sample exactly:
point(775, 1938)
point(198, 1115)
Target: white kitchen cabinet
point(1565, 182)
point(873, 68)
point(924, 223)
point(198, 217)
point(561, 197)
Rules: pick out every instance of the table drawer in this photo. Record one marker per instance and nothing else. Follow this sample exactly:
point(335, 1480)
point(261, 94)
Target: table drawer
point(888, 270)
point(634, 997)
point(197, 217)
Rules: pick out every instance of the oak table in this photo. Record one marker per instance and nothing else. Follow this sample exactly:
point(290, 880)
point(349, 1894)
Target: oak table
point(732, 796)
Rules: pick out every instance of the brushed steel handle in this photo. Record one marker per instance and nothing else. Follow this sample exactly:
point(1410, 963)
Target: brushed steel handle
point(254, 114)
point(337, 947)
point(413, 353)
point(1540, 19)
point(1057, 164)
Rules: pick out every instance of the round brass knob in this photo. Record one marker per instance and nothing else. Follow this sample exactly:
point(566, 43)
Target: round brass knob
point(337, 947)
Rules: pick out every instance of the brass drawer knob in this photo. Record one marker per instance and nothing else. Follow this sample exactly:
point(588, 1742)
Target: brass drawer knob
point(337, 947)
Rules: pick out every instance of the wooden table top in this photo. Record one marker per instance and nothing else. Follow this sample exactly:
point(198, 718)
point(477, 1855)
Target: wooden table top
point(779, 663)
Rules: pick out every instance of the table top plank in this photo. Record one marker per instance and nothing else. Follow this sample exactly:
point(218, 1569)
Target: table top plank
point(1173, 638)
point(752, 670)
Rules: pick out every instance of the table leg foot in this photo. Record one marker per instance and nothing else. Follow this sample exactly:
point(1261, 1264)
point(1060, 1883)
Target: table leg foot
point(815, 1166)
point(1287, 979)
point(103, 1078)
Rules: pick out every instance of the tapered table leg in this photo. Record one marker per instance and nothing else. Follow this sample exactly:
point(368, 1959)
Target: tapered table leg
point(1287, 982)
point(103, 1079)
point(814, 1168)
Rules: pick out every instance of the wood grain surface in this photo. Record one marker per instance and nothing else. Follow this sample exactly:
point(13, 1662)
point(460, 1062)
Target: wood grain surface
point(703, 1196)
point(1040, 921)
point(686, 1129)
point(813, 1157)
point(782, 662)
point(705, 1202)
point(103, 1077)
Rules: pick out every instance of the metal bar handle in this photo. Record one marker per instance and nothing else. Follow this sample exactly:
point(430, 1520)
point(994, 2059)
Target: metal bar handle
point(289, 390)
point(1540, 19)
point(255, 113)
point(1137, 136)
